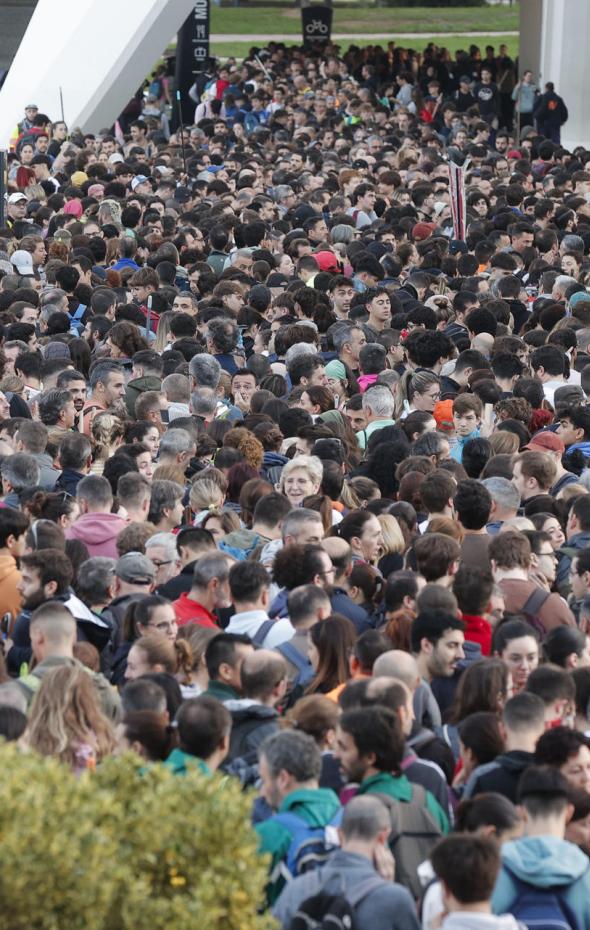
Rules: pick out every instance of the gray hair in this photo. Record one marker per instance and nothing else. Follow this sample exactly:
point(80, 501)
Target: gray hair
point(52, 295)
point(176, 440)
point(341, 334)
point(205, 370)
point(164, 496)
point(503, 493)
point(296, 520)
point(203, 402)
point(168, 543)
point(563, 281)
point(342, 232)
point(95, 577)
point(100, 372)
point(380, 399)
point(573, 243)
point(297, 350)
point(208, 567)
point(364, 818)
point(95, 490)
point(21, 470)
point(292, 752)
point(176, 388)
point(240, 253)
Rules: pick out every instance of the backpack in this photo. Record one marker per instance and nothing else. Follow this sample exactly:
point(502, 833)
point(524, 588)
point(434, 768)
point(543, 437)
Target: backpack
point(328, 910)
point(310, 846)
point(305, 670)
point(262, 632)
point(76, 324)
point(530, 609)
point(414, 832)
point(541, 908)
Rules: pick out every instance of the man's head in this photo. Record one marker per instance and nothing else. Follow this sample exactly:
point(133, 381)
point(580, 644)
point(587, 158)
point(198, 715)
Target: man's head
point(249, 584)
point(369, 740)
point(53, 631)
point(94, 495)
point(289, 760)
point(302, 526)
point(75, 453)
point(467, 414)
point(45, 574)
point(533, 473)
point(204, 726)
point(555, 686)
point(567, 750)
point(19, 471)
point(524, 716)
point(437, 641)
point(107, 381)
point(437, 557)
point(366, 823)
point(161, 551)
point(509, 551)
point(210, 585)
point(463, 854)
point(13, 525)
point(224, 657)
point(306, 605)
point(473, 504)
point(543, 795)
point(264, 677)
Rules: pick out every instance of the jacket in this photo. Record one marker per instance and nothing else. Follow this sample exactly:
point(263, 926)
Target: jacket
point(180, 584)
point(343, 604)
point(251, 724)
point(545, 862)
point(68, 481)
point(554, 612)
point(221, 691)
point(189, 611)
point(108, 696)
point(48, 475)
point(317, 806)
point(478, 630)
point(550, 110)
point(98, 531)
point(387, 907)
point(502, 775)
point(241, 543)
point(139, 386)
point(10, 598)
point(459, 444)
point(400, 788)
point(578, 541)
point(180, 763)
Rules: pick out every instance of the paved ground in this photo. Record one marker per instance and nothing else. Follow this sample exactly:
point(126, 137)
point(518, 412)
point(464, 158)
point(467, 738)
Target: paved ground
point(259, 39)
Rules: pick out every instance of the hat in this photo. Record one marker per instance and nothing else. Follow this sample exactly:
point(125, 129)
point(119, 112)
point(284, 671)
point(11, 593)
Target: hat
point(464, 79)
point(577, 298)
point(116, 158)
point(95, 190)
point(335, 369)
point(276, 279)
point(16, 198)
point(546, 442)
point(514, 153)
point(22, 261)
point(78, 178)
point(327, 261)
point(31, 106)
point(135, 568)
point(137, 180)
point(56, 350)
point(182, 195)
point(443, 414)
point(74, 208)
point(422, 231)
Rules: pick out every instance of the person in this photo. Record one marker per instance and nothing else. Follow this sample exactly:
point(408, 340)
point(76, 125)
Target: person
point(550, 113)
point(204, 726)
point(290, 765)
point(13, 525)
point(361, 863)
point(249, 585)
point(437, 642)
point(306, 605)
point(209, 591)
point(516, 642)
point(524, 722)
point(97, 527)
point(469, 903)
point(542, 862)
point(224, 657)
point(567, 750)
point(254, 716)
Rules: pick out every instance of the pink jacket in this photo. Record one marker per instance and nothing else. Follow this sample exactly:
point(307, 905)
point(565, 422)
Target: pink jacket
point(98, 532)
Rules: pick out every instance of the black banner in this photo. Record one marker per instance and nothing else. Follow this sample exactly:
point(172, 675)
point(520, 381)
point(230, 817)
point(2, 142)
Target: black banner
point(316, 24)
point(192, 54)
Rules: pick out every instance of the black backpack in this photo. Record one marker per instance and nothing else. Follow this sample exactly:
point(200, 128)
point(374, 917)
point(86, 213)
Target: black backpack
point(333, 910)
point(530, 610)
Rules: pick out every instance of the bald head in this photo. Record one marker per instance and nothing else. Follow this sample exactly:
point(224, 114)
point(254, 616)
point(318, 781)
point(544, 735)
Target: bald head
point(365, 818)
point(484, 343)
point(400, 665)
point(340, 554)
point(263, 675)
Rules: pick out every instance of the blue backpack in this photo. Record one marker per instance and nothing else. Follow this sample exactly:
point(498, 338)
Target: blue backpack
point(305, 670)
point(541, 908)
point(76, 324)
point(310, 846)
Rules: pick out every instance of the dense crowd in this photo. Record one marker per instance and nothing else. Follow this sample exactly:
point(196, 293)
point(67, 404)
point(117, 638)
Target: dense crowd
point(295, 481)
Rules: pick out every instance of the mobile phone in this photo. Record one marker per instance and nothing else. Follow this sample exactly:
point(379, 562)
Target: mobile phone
point(5, 624)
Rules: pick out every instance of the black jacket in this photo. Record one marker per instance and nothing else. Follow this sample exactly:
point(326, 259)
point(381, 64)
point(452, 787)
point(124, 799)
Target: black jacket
point(502, 775)
point(180, 584)
point(251, 724)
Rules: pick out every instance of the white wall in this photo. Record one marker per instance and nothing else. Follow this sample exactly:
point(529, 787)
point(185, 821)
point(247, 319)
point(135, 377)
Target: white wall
point(98, 51)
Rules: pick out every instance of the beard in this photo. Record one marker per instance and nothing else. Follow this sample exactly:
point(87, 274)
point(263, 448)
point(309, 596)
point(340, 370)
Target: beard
point(35, 600)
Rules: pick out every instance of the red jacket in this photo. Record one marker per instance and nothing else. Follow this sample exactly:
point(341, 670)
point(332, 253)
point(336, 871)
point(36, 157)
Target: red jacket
point(478, 630)
point(189, 611)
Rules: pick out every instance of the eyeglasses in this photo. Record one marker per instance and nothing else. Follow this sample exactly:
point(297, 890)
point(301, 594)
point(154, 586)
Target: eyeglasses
point(158, 564)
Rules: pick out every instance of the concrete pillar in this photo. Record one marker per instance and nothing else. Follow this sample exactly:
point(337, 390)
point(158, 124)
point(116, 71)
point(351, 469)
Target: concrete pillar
point(565, 61)
point(531, 33)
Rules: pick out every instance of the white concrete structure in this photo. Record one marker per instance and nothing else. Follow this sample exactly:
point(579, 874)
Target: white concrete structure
point(98, 51)
point(554, 38)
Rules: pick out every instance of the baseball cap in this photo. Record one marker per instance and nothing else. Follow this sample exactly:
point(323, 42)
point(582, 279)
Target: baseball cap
point(327, 261)
point(56, 350)
point(74, 208)
point(276, 279)
point(16, 198)
point(422, 231)
point(546, 442)
point(135, 568)
point(182, 195)
point(137, 180)
point(22, 261)
point(78, 178)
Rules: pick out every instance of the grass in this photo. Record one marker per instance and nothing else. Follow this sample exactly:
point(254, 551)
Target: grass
point(240, 49)
point(287, 21)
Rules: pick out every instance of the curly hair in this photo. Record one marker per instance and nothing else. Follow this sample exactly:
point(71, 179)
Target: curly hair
point(514, 408)
point(247, 445)
point(105, 430)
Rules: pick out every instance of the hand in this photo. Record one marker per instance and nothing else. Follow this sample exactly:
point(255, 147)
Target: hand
point(241, 402)
point(384, 862)
point(8, 644)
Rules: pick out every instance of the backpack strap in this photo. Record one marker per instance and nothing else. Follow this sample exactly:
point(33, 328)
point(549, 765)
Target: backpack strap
point(262, 632)
point(364, 888)
point(78, 313)
point(534, 602)
point(294, 655)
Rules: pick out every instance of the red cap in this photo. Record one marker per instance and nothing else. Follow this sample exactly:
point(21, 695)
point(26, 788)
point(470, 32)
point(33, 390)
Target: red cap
point(327, 261)
point(422, 231)
point(546, 442)
point(514, 153)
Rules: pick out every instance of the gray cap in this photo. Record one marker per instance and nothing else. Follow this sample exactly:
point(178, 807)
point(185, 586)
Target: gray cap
point(135, 568)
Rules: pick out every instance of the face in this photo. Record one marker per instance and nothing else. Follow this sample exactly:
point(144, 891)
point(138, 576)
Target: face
point(380, 309)
point(137, 664)
point(163, 621)
point(578, 832)
point(522, 657)
point(427, 400)
point(371, 540)
point(570, 266)
point(519, 480)
point(152, 441)
point(342, 297)
point(29, 586)
point(30, 315)
point(465, 423)
point(319, 377)
point(245, 385)
point(69, 415)
point(297, 485)
point(566, 431)
point(577, 769)
point(447, 653)
point(356, 342)
point(183, 304)
point(357, 419)
point(114, 388)
point(547, 562)
point(269, 789)
point(177, 513)
point(579, 581)
point(306, 404)
point(166, 567)
point(352, 765)
point(311, 532)
point(215, 528)
point(144, 465)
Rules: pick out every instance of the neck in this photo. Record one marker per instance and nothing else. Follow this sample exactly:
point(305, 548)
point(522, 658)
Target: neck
point(481, 907)
point(525, 742)
point(480, 532)
point(359, 848)
point(423, 669)
point(269, 532)
point(203, 597)
point(246, 607)
point(502, 515)
point(502, 574)
point(546, 826)
point(505, 385)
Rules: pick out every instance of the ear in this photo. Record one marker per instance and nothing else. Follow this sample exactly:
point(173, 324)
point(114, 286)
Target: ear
point(426, 646)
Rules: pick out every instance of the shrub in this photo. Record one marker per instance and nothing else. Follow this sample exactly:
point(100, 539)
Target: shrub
point(125, 848)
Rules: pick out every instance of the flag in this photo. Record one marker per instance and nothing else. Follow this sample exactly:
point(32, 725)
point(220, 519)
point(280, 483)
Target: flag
point(457, 192)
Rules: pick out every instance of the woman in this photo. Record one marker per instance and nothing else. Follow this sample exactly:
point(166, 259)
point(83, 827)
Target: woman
point(317, 399)
point(301, 477)
point(423, 393)
point(391, 556)
point(44, 534)
point(318, 716)
point(142, 457)
point(205, 496)
point(483, 686)
point(480, 742)
point(567, 647)
point(220, 523)
point(362, 531)
point(151, 653)
point(341, 382)
point(331, 642)
point(66, 721)
point(107, 435)
point(146, 433)
point(124, 340)
point(147, 733)
point(57, 506)
point(517, 644)
point(150, 615)
point(549, 524)
point(198, 638)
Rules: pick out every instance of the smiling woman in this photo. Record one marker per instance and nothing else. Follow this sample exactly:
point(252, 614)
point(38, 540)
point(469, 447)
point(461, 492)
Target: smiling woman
point(301, 477)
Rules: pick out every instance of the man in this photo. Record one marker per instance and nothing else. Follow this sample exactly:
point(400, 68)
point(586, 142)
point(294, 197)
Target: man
point(297, 565)
point(204, 727)
point(177, 448)
point(19, 472)
point(437, 492)
point(306, 605)
point(341, 292)
point(13, 525)
point(548, 364)
point(363, 206)
point(166, 508)
point(473, 505)
point(146, 375)
point(224, 657)
point(437, 558)
point(551, 113)
point(573, 429)
point(473, 587)
point(254, 716)
point(378, 407)
point(378, 306)
point(505, 502)
point(75, 459)
point(467, 416)
point(580, 582)
point(437, 643)
point(348, 341)
point(533, 474)
point(161, 551)
point(134, 493)
point(249, 584)
point(243, 385)
point(107, 385)
point(363, 858)
point(97, 527)
point(31, 437)
point(53, 635)
point(557, 690)
point(267, 522)
point(542, 863)
point(209, 592)
point(300, 526)
point(523, 720)
point(133, 579)
point(510, 556)
point(577, 533)
point(290, 766)
point(192, 542)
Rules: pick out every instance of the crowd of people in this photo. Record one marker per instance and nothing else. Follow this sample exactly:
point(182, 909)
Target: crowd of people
point(295, 482)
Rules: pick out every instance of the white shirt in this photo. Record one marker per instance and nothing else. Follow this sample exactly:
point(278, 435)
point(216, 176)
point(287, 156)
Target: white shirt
point(249, 621)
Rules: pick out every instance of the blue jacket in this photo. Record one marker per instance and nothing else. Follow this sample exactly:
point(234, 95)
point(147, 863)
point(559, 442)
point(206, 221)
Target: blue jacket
point(459, 444)
point(545, 862)
point(579, 541)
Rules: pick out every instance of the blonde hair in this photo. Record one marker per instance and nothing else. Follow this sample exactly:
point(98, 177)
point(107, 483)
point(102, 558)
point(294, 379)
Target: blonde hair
point(447, 527)
point(205, 494)
point(105, 429)
point(66, 716)
point(229, 520)
point(169, 473)
point(308, 463)
point(163, 331)
point(393, 538)
point(503, 442)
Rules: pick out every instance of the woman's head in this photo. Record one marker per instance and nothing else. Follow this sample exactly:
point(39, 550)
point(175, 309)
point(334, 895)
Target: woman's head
point(568, 647)
point(107, 433)
point(480, 740)
point(491, 814)
point(549, 524)
point(516, 642)
point(145, 432)
point(44, 534)
point(151, 653)
point(301, 477)
point(362, 531)
point(331, 643)
point(315, 715)
point(150, 615)
point(220, 522)
point(57, 506)
point(147, 733)
point(424, 391)
point(124, 340)
point(205, 494)
point(484, 686)
point(393, 538)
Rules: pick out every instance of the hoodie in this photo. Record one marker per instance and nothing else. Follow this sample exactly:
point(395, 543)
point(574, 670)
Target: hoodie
point(459, 444)
point(98, 532)
point(10, 599)
point(545, 862)
point(139, 386)
point(565, 554)
point(251, 724)
point(501, 776)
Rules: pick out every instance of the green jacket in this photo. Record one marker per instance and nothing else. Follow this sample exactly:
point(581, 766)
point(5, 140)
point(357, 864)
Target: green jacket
point(180, 762)
point(106, 692)
point(139, 386)
point(217, 689)
point(317, 806)
point(400, 788)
